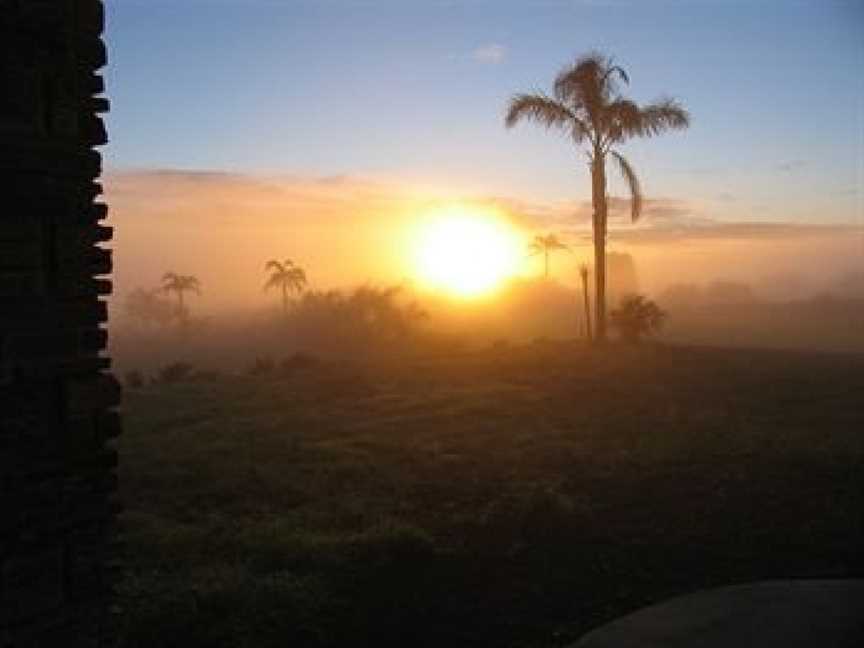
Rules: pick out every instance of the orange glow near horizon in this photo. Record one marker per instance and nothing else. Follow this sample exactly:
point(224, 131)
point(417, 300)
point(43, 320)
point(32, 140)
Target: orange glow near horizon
point(465, 251)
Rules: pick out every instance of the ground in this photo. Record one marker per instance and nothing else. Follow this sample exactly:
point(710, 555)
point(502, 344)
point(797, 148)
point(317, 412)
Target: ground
point(517, 496)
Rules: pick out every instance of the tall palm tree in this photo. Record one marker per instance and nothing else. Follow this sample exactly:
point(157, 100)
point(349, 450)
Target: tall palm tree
point(545, 245)
point(287, 276)
point(180, 284)
point(587, 106)
point(583, 274)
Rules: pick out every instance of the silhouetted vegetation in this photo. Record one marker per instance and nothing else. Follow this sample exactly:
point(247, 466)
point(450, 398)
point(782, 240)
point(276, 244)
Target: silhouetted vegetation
point(263, 366)
point(174, 372)
point(636, 317)
point(134, 380)
point(364, 321)
point(589, 109)
point(288, 277)
point(586, 301)
point(180, 285)
point(546, 246)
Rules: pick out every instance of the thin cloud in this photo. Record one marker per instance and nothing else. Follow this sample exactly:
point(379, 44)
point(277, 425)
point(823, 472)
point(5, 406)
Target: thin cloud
point(491, 54)
point(791, 165)
point(707, 229)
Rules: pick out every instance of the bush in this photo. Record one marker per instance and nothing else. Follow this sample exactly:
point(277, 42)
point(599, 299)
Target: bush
point(174, 373)
point(365, 321)
point(208, 375)
point(134, 379)
point(637, 316)
point(263, 366)
point(297, 362)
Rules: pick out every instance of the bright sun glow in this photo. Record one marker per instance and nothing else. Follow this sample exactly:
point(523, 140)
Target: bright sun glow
point(465, 251)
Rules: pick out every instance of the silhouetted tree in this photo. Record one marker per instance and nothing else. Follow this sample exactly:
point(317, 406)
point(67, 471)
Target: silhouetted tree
point(287, 276)
point(588, 108)
point(364, 319)
point(583, 274)
point(545, 245)
point(180, 284)
point(637, 316)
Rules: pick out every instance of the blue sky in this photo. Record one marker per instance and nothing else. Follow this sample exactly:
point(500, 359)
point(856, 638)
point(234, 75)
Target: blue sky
point(415, 91)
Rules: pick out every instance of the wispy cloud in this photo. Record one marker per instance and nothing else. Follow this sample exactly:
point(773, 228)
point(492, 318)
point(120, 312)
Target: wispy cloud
point(491, 54)
point(791, 165)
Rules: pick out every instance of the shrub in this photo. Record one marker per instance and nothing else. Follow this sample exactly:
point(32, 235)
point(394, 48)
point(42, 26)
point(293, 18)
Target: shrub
point(263, 366)
point(637, 316)
point(134, 379)
point(297, 362)
point(174, 372)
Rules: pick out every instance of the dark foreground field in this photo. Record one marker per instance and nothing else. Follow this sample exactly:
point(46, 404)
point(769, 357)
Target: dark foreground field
point(505, 498)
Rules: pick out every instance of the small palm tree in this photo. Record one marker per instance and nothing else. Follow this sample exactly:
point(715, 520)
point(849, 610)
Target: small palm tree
point(583, 274)
point(545, 245)
point(588, 108)
point(180, 284)
point(637, 316)
point(287, 276)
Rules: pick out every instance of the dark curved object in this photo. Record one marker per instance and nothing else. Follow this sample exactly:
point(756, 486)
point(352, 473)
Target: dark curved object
point(786, 614)
point(57, 400)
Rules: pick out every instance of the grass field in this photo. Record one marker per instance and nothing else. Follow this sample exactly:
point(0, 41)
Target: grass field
point(510, 497)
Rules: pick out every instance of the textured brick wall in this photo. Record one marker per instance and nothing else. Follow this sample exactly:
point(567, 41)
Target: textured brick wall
point(57, 470)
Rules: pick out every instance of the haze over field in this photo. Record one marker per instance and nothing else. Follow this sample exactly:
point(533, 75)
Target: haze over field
point(347, 231)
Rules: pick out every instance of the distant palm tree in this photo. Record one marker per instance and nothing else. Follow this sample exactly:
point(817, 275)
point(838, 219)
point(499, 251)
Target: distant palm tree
point(589, 109)
point(545, 245)
point(287, 276)
point(583, 274)
point(180, 284)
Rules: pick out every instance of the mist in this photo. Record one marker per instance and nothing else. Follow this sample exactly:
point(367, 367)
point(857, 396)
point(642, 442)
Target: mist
point(720, 282)
point(348, 231)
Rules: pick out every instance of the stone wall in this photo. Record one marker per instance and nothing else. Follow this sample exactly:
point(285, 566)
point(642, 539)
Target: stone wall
point(57, 470)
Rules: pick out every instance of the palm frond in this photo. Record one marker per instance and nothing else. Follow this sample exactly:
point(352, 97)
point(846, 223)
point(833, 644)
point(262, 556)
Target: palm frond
point(274, 265)
point(588, 83)
point(539, 108)
point(275, 280)
point(623, 119)
point(554, 243)
point(192, 283)
point(615, 69)
point(633, 182)
point(298, 274)
point(663, 115)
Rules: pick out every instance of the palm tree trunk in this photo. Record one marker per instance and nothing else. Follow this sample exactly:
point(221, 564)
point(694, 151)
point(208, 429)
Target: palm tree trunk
point(180, 306)
point(598, 200)
point(284, 299)
point(587, 303)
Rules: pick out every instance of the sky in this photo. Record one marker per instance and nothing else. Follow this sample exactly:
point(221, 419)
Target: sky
point(411, 96)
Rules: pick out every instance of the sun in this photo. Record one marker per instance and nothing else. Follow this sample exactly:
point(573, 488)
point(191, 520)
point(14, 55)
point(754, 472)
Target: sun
point(465, 251)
